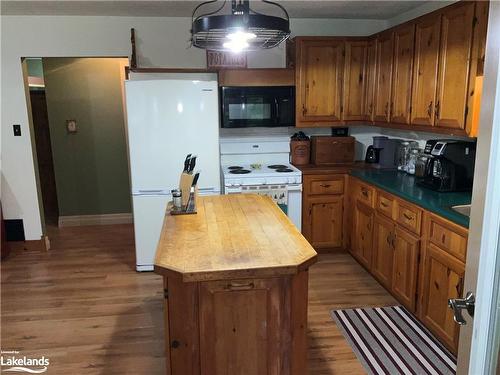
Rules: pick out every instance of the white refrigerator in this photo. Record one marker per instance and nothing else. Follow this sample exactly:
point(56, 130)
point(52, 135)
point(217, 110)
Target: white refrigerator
point(166, 120)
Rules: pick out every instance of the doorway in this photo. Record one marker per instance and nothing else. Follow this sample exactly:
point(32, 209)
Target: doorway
point(78, 133)
point(44, 156)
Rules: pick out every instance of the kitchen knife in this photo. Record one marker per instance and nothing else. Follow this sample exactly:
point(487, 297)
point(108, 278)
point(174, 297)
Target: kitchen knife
point(192, 164)
point(195, 179)
point(186, 163)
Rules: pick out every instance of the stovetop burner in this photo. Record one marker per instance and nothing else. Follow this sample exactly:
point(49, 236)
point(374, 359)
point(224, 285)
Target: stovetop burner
point(284, 170)
point(233, 167)
point(278, 166)
point(239, 171)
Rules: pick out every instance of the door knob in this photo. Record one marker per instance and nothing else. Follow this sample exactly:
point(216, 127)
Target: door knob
point(459, 304)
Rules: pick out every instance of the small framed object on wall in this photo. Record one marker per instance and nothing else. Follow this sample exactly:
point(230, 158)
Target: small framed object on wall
point(223, 60)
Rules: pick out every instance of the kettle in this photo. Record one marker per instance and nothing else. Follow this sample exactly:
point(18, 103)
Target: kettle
point(371, 155)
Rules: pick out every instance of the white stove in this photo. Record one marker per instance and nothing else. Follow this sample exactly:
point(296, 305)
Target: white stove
point(261, 174)
point(261, 166)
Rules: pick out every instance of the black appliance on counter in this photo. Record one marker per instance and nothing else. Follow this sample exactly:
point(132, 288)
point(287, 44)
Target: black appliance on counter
point(383, 152)
point(372, 155)
point(451, 166)
point(257, 106)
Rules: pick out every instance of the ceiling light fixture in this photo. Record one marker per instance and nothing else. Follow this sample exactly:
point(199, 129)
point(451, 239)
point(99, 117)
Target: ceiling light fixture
point(243, 29)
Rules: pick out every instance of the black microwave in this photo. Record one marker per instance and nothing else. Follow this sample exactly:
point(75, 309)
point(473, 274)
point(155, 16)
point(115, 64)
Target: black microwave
point(257, 106)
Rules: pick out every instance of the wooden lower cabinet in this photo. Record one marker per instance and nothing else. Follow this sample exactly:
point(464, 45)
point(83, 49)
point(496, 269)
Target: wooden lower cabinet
point(246, 326)
point(363, 234)
point(405, 268)
point(395, 260)
point(323, 211)
point(416, 255)
point(324, 225)
point(442, 279)
point(383, 250)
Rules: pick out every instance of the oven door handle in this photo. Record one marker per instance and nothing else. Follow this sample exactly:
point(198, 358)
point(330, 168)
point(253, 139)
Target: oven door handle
point(277, 106)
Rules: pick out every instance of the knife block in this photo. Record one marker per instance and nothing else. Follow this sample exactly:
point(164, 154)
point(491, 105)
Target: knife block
point(185, 183)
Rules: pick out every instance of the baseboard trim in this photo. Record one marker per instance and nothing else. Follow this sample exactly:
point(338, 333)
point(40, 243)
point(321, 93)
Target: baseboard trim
point(105, 219)
point(42, 244)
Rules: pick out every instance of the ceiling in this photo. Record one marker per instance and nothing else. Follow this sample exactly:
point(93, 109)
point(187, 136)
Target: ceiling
point(381, 10)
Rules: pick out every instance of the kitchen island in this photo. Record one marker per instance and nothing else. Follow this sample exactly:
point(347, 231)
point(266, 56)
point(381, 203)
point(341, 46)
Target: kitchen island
point(235, 278)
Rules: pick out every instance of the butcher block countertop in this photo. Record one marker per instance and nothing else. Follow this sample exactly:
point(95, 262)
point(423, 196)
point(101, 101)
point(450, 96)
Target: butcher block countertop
point(232, 236)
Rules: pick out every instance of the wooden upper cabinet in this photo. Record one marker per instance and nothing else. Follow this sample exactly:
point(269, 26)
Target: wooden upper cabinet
point(319, 81)
point(425, 71)
point(453, 76)
point(369, 100)
point(383, 77)
point(355, 83)
point(400, 106)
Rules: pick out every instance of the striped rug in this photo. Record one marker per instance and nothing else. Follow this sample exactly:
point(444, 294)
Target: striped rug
point(390, 340)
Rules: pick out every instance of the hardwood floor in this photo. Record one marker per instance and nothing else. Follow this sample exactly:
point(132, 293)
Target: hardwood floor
point(84, 307)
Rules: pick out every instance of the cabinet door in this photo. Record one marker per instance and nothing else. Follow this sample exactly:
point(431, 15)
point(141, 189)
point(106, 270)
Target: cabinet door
point(363, 234)
point(244, 326)
point(425, 71)
point(405, 268)
point(383, 250)
point(369, 101)
point(355, 81)
point(383, 79)
point(453, 76)
point(324, 221)
point(443, 279)
point(402, 76)
point(319, 81)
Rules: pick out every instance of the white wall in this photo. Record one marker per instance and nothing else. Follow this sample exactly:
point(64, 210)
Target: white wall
point(160, 42)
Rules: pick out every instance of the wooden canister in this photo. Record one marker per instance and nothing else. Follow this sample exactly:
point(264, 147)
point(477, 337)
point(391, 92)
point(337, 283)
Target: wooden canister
point(301, 152)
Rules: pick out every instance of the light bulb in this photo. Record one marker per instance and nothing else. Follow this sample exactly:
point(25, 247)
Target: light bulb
point(238, 40)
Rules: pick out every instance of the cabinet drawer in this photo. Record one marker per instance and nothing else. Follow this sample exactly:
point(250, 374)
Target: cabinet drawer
point(448, 237)
point(365, 193)
point(385, 204)
point(409, 217)
point(327, 186)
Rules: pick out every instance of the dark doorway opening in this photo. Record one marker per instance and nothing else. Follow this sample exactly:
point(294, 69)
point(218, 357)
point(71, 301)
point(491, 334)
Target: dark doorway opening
point(44, 156)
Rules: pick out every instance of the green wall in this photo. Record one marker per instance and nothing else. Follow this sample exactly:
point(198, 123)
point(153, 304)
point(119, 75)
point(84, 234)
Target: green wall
point(90, 165)
point(35, 68)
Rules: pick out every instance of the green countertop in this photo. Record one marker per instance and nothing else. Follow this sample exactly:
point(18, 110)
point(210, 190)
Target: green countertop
point(404, 185)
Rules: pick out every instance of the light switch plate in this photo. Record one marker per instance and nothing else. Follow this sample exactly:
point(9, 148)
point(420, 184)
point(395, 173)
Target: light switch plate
point(71, 126)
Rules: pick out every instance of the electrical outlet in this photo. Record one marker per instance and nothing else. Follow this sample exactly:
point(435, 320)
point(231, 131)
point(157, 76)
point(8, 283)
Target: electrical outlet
point(71, 126)
point(17, 130)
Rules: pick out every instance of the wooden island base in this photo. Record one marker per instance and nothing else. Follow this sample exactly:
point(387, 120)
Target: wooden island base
point(244, 326)
point(235, 278)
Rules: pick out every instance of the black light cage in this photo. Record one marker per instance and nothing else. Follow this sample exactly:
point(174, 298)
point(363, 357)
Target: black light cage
point(209, 30)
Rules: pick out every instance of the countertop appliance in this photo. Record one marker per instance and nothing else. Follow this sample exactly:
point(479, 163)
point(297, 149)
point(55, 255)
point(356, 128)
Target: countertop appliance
point(326, 150)
point(387, 149)
point(167, 119)
point(451, 167)
point(371, 155)
point(424, 158)
point(257, 106)
point(261, 166)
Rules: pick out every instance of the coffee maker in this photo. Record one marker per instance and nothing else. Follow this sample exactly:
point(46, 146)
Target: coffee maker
point(451, 167)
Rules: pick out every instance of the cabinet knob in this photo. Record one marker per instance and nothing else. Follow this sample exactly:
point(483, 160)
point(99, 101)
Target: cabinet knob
point(175, 344)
